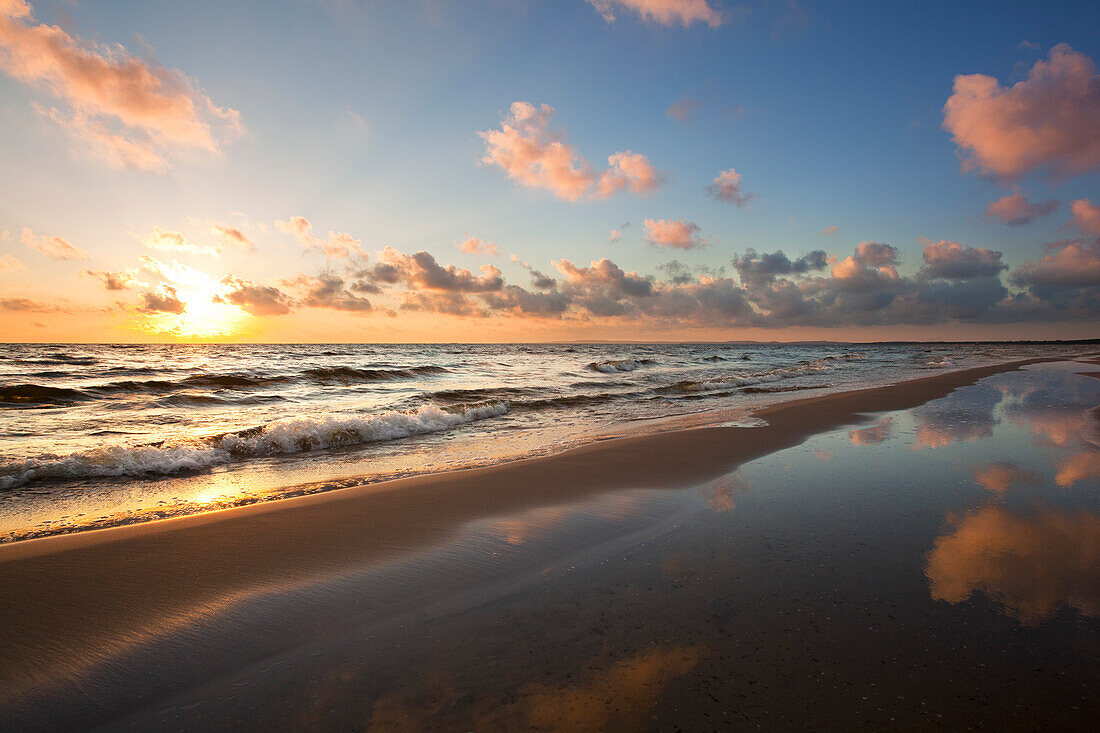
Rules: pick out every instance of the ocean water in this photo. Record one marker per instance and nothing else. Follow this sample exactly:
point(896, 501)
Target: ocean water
point(100, 435)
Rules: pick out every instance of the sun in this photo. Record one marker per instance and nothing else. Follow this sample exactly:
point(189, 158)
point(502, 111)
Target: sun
point(206, 314)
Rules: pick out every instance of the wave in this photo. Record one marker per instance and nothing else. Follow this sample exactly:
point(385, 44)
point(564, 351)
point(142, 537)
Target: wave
point(37, 394)
point(281, 437)
point(346, 375)
point(60, 359)
point(612, 366)
point(791, 388)
point(733, 381)
point(213, 381)
point(480, 394)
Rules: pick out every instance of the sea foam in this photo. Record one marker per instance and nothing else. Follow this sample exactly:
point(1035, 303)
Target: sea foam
point(281, 437)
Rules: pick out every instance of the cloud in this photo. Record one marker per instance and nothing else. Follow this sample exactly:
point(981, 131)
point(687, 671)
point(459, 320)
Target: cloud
point(830, 231)
point(1070, 264)
point(115, 280)
point(753, 267)
point(684, 109)
point(662, 12)
point(232, 236)
point(1049, 121)
point(528, 152)
point(7, 262)
point(328, 291)
point(1086, 217)
point(671, 234)
point(53, 247)
point(128, 111)
point(27, 305)
point(871, 267)
point(420, 271)
point(1015, 210)
point(339, 245)
point(256, 300)
point(631, 171)
point(478, 246)
point(726, 186)
point(1032, 565)
point(169, 241)
point(163, 300)
point(956, 261)
point(615, 235)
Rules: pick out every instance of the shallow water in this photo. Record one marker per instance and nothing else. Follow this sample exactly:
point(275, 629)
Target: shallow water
point(98, 435)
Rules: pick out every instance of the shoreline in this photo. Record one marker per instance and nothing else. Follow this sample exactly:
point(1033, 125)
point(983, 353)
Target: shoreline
point(784, 414)
point(710, 417)
point(73, 596)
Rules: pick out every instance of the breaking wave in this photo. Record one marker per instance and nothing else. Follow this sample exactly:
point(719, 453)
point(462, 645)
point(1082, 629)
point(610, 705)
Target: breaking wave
point(281, 437)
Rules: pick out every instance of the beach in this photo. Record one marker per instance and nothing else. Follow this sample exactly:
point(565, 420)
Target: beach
point(779, 574)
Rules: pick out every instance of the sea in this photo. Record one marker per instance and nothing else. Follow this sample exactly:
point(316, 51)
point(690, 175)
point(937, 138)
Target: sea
point(99, 435)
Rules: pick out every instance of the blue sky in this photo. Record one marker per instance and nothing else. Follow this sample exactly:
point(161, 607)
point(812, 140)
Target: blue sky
point(363, 118)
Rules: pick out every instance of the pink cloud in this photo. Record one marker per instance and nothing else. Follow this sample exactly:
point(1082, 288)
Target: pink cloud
point(662, 12)
point(7, 262)
point(615, 235)
point(631, 171)
point(727, 187)
point(671, 234)
point(1086, 217)
point(872, 265)
point(1015, 210)
point(130, 112)
point(232, 236)
point(53, 247)
point(1051, 120)
point(339, 245)
point(830, 231)
point(1071, 264)
point(528, 152)
point(478, 246)
point(960, 262)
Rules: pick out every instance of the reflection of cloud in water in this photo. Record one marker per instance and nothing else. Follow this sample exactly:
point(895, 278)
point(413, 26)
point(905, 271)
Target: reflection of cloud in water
point(1000, 476)
point(1060, 411)
point(1033, 565)
point(1079, 467)
point(721, 494)
point(872, 435)
point(963, 416)
point(616, 696)
point(822, 455)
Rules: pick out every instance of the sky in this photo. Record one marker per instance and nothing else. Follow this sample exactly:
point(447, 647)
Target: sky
point(548, 170)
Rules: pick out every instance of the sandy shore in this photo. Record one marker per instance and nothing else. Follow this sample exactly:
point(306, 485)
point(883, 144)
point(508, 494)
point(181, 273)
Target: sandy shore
point(71, 600)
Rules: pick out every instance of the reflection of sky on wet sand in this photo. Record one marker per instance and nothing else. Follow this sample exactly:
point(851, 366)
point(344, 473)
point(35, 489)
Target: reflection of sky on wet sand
point(1032, 546)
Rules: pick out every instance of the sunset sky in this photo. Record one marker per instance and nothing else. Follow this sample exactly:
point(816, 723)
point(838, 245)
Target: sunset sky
point(532, 170)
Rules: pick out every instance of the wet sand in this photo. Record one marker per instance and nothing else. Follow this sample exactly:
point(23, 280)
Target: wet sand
point(89, 622)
